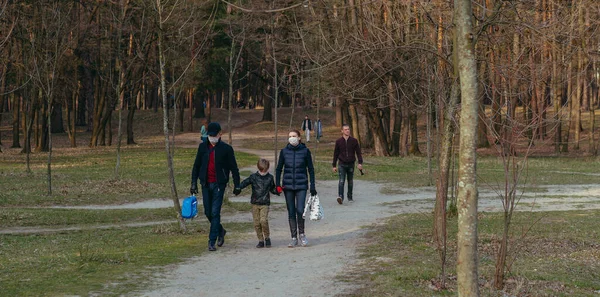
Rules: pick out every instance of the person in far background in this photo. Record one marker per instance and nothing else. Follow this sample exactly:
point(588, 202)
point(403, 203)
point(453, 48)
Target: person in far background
point(295, 161)
point(346, 147)
point(319, 129)
point(204, 131)
point(307, 127)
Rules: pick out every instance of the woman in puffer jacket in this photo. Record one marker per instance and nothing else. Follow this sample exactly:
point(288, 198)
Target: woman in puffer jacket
point(295, 160)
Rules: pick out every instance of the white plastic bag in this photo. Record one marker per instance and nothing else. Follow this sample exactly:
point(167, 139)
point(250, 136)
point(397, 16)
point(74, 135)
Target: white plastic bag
point(313, 205)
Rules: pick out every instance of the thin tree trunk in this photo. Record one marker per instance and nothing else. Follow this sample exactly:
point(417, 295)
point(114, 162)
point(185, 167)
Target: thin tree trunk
point(414, 140)
point(466, 269)
point(163, 92)
point(17, 105)
point(439, 228)
point(339, 118)
point(354, 121)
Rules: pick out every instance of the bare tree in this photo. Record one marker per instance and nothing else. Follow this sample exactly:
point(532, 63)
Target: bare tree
point(49, 45)
point(466, 269)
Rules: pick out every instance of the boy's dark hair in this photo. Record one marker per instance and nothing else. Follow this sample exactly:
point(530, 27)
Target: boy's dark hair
point(263, 164)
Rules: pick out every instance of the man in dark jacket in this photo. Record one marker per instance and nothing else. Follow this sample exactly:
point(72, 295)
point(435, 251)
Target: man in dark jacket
point(346, 148)
point(214, 161)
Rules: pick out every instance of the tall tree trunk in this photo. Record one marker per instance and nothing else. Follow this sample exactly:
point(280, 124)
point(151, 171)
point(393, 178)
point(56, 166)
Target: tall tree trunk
point(353, 120)
point(17, 105)
point(496, 116)
point(395, 129)
point(130, 113)
point(339, 118)
point(439, 228)
point(57, 119)
point(466, 268)
point(163, 92)
point(414, 140)
point(404, 135)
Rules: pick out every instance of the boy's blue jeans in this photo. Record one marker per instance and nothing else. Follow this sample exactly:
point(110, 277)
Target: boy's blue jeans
point(212, 199)
point(345, 171)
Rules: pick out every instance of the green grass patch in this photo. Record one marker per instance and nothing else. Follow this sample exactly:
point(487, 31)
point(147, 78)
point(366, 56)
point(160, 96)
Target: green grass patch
point(45, 217)
point(19, 217)
point(87, 177)
point(83, 263)
point(557, 254)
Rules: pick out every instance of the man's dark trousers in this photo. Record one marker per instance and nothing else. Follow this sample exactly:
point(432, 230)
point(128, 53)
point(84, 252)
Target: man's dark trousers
point(212, 199)
point(345, 170)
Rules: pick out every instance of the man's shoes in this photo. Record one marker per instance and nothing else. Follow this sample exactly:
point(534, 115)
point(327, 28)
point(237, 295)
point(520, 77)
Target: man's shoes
point(293, 243)
point(339, 200)
point(211, 247)
point(268, 242)
point(221, 238)
point(261, 244)
point(350, 200)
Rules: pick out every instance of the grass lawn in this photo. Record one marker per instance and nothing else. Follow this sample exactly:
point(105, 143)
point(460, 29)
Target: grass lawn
point(558, 257)
point(84, 177)
point(97, 262)
point(552, 254)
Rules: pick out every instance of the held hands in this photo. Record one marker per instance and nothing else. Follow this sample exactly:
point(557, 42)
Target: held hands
point(279, 189)
point(194, 189)
point(237, 191)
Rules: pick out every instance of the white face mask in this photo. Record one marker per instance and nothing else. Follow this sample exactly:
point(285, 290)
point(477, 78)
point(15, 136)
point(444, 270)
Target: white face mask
point(294, 141)
point(213, 140)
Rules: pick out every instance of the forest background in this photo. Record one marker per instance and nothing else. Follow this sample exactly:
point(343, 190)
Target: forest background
point(383, 66)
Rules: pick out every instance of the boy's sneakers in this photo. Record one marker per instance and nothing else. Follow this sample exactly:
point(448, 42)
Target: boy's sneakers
point(350, 200)
point(339, 200)
point(268, 242)
point(303, 240)
point(293, 243)
point(261, 244)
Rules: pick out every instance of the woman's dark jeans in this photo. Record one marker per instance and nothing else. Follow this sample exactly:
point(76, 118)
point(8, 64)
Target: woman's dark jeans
point(295, 200)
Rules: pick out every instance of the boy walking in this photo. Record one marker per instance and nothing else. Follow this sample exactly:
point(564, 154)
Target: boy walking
point(262, 183)
point(346, 147)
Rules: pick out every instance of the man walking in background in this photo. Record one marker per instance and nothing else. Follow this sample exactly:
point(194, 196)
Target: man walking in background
point(214, 161)
point(345, 153)
point(306, 127)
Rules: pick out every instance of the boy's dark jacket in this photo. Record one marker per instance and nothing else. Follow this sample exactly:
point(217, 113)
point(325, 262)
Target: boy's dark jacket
point(261, 186)
point(224, 164)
